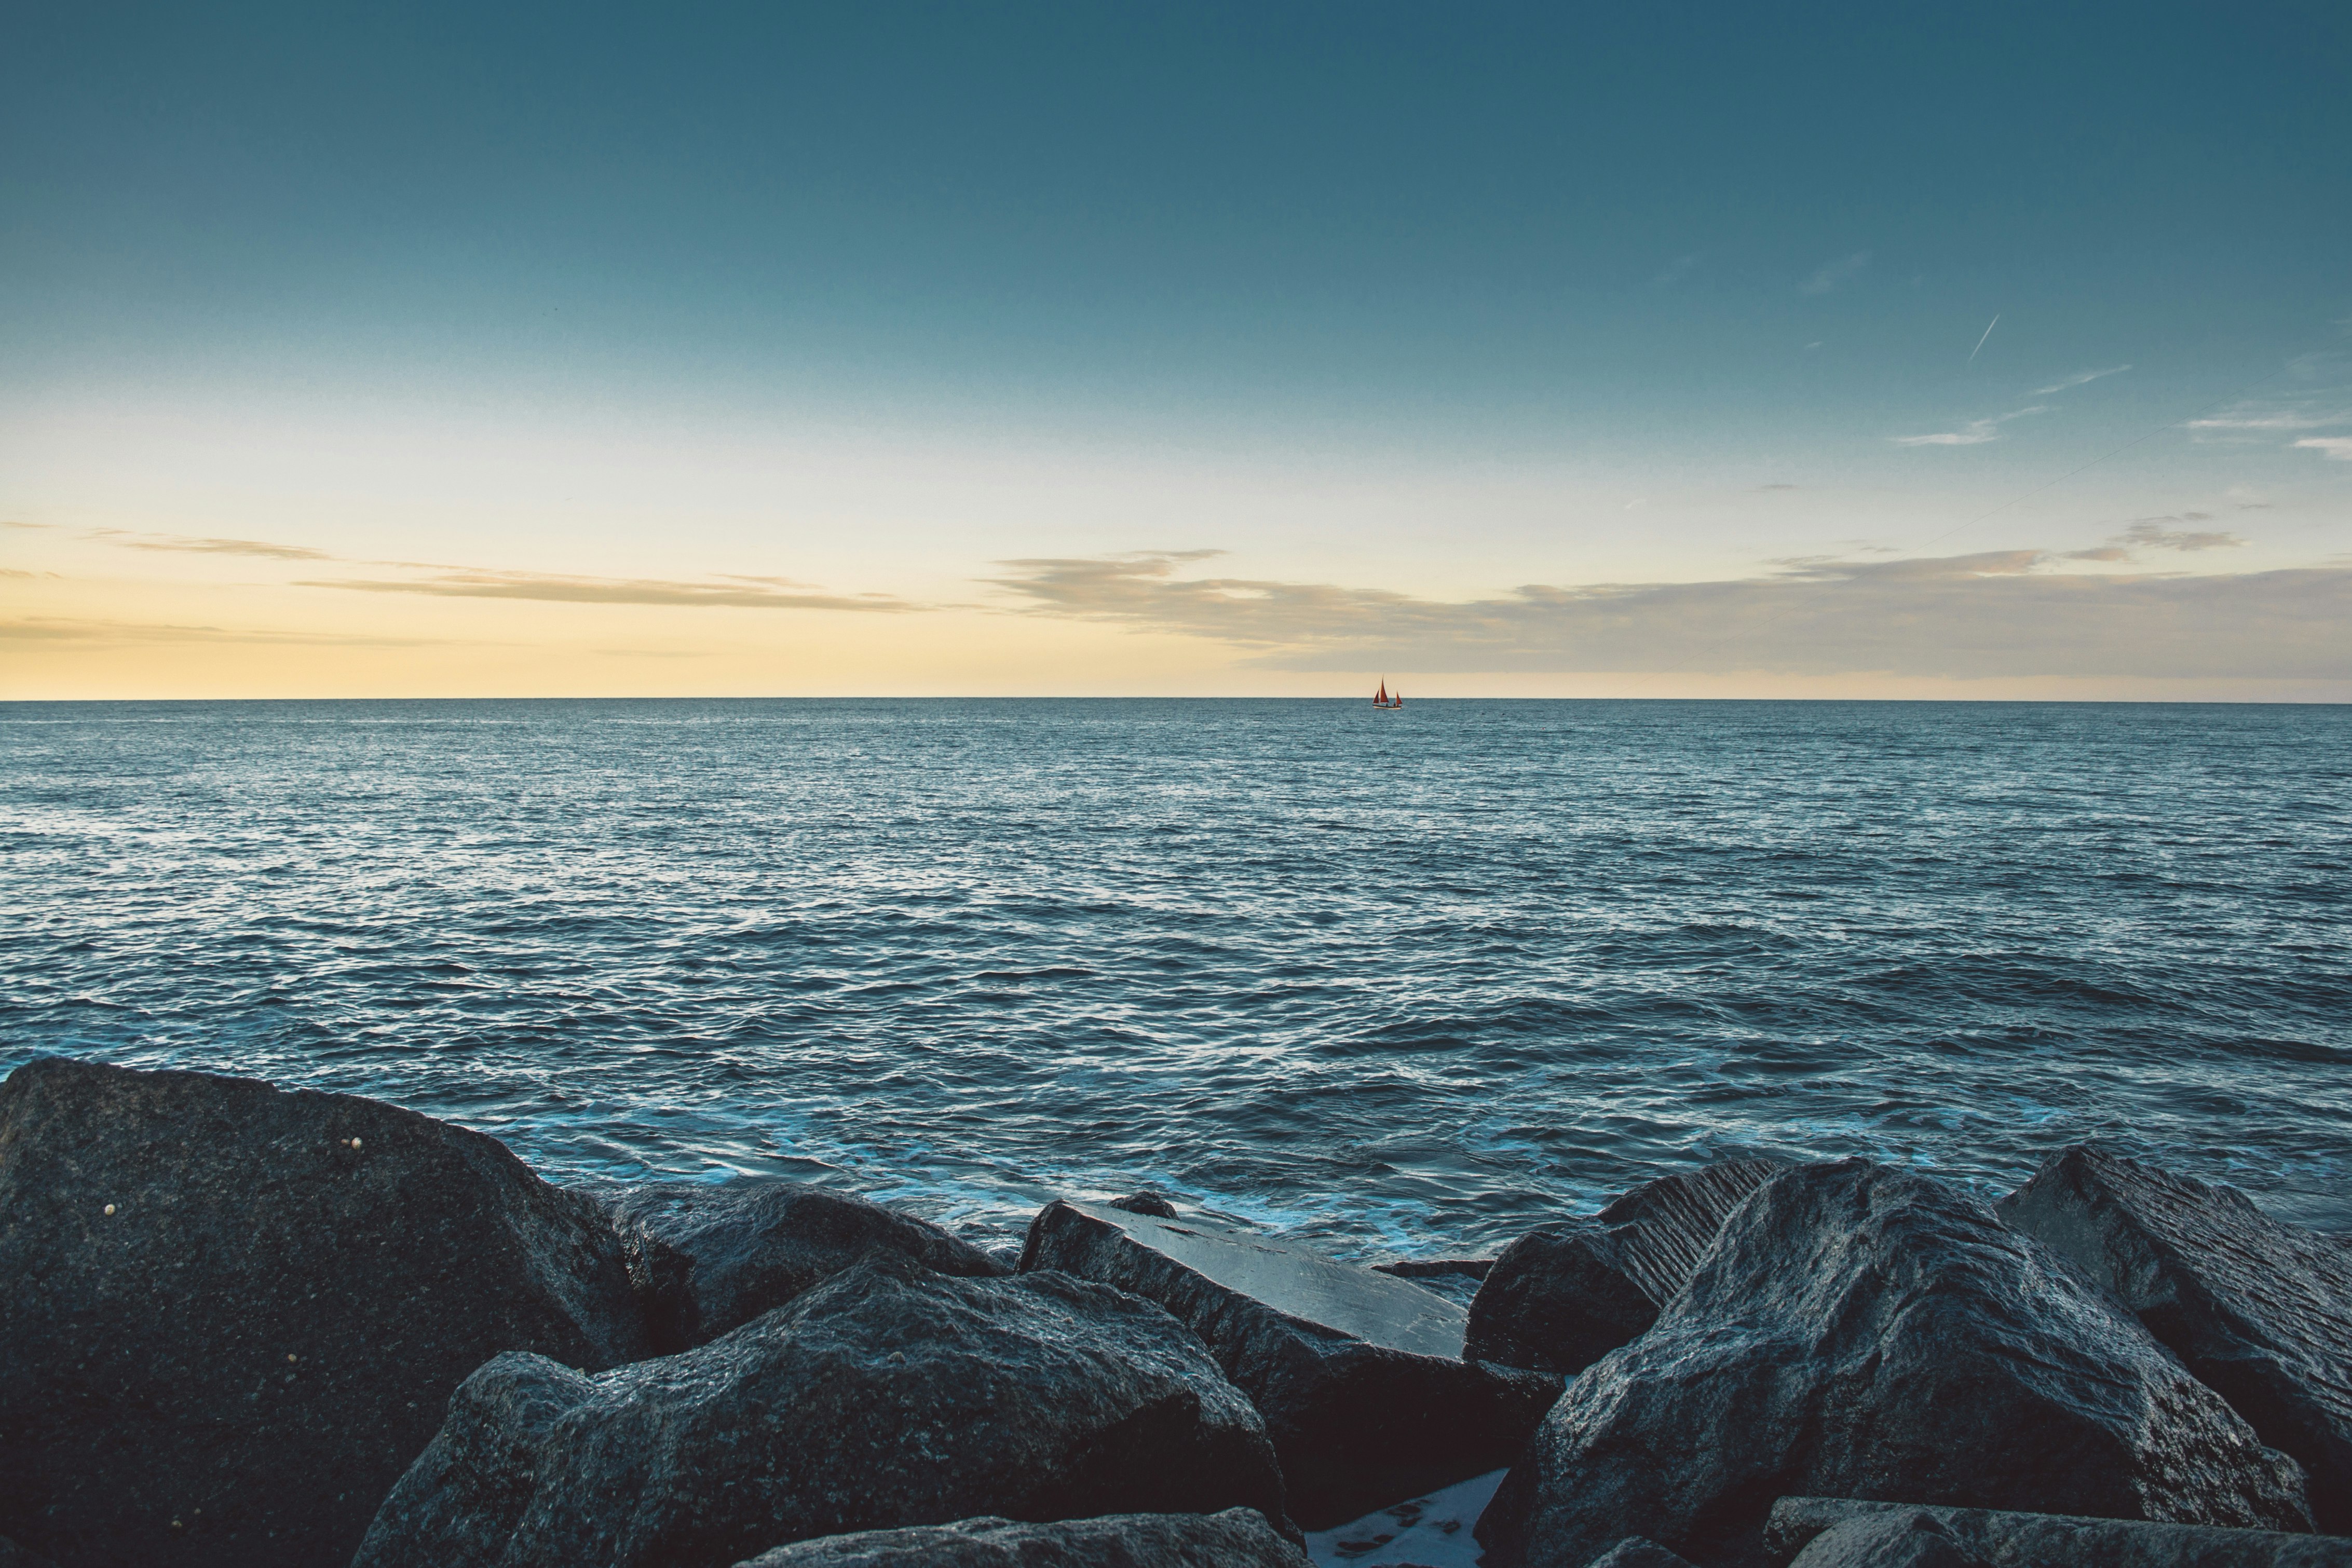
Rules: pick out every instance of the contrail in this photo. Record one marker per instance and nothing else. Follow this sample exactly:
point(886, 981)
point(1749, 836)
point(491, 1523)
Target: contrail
point(1980, 342)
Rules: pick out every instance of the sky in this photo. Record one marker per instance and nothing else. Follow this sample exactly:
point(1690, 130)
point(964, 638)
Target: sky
point(1666, 350)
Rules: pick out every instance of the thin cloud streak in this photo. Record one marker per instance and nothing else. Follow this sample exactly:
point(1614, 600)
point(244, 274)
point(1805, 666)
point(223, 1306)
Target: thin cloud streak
point(553, 588)
point(52, 629)
point(1994, 613)
point(2334, 448)
point(1974, 433)
point(2081, 378)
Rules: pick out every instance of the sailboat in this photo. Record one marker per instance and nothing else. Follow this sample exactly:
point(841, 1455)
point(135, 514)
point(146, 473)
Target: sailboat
point(1381, 698)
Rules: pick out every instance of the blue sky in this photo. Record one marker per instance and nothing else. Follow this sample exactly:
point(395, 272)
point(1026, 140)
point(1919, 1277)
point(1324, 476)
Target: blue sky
point(1401, 308)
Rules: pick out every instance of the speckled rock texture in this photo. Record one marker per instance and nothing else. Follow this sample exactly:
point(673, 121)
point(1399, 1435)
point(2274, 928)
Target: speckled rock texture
point(1358, 1374)
point(2259, 1310)
point(1863, 1331)
point(14, 1556)
point(235, 1365)
point(1237, 1538)
point(1799, 1525)
point(1561, 1298)
point(1638, 1551)
point(709, 1256)
point(1896, 1538)
point(888, 1397)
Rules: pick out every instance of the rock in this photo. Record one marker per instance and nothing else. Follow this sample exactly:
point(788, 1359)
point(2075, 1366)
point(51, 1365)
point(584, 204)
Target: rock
point(1437, 1268)
point(232, 1315)
point(1156, 1204)
point(1359, 1375)
point(2259, 1310)
point(1896, 1538)
point(14, 1556)
point(709, 1256)
point(1561, 1298)
point(1866, 1331)
point(2031, 1540)
point(1636, 1552)
point(1237, 1538)
point(888, 1397)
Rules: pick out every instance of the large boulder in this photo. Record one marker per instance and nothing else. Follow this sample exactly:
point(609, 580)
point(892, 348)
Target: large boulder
point(2259, 1310)
point(232, 1315)
point(1638, 1551)
point(14, 1556)
point(709, 1256)
point(1894, 1538)
point(1359, 1375)
point(888, 1397)
point(1237, 1538)
point(1863, 1332)
point(1801, 1525)
point(1561, 1298)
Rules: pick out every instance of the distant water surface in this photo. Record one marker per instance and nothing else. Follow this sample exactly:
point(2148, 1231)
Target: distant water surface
point(1405, 982)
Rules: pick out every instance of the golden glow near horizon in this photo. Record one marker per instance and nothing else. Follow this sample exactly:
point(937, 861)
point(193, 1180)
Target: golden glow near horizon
point(262, 552)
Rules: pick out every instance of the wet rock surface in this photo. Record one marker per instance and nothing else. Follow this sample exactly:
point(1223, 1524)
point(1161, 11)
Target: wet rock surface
point(2260, 1310)
point(1562, 1297)
point(2003, 1539)
point(1237, 1538)
point(708, 1257)
point(1897, 1538)
point(1358, 1374)
point(235, 1314)
point(14, 1556)
point(1869, 1333)
point(1636, 1552)
point(888, 1397)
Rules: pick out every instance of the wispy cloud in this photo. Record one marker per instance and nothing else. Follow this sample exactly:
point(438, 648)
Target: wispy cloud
point(179, 544)
point(1992, 614)
point(742, 594)
point(2155, 533)
point(2337, 448)
point(2080, 378)
point(1974, 433)
point(58, 629)
point(1674, 271)
point(2271, 419)
point(1835, 274)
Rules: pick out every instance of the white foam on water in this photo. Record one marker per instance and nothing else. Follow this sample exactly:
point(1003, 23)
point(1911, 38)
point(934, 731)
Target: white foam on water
point(1430, 1531)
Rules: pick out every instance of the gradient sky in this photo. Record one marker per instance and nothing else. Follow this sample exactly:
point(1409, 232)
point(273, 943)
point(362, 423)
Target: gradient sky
point(439, 350)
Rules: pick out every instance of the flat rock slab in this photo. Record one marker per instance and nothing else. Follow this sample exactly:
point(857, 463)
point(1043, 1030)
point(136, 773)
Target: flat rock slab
point(1867, 1331)
point(1562, 1297)
point(2003, 1539)
point(1897, 1538)
point(888, 1397)
point(234, 1316)
point(1358, 1374)
point(1237, 1538)
point(711, 1256)
point(2261, 1311)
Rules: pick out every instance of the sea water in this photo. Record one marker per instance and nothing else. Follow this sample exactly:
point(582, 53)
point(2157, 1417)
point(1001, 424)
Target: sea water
point(1395, 982)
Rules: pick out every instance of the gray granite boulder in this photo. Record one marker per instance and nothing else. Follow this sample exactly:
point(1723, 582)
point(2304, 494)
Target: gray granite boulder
point(1158, 1204)
point(1561, 1298)
point(1800, 1524)
point(1359, 1375)
point(2259, 1310)
point(886, 1397)
point(1894, 1538)
point(232, 1315)
point(1864, 1332)
point(1637, 1552)
point(1237, 1538)
point(1456, 1279)
point(708, 1257)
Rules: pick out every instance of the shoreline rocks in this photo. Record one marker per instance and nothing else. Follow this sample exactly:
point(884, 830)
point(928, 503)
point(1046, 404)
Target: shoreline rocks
point(1866, 1331)
point(1564, 1296)
point(2007, 1540)
point(1358, 1374)
point(888, 1397)
point(2258, 1309)
point(708, 1257)
point(1237, 1538)
point(233, 1314)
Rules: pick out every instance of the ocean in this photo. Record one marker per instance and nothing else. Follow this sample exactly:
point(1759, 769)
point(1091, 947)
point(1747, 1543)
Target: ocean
point(1398, 983)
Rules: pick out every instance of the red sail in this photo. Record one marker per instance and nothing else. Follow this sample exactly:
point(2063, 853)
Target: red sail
point(1381, 698)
